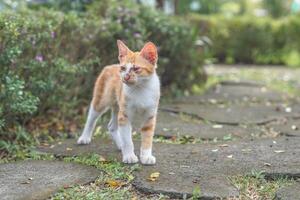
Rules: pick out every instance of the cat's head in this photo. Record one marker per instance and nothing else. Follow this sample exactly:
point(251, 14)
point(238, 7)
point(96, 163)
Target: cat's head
point(137, 66)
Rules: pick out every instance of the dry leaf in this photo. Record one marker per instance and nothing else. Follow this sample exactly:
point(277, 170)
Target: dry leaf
point(134, 198)
point(217, 126)
point(45, 144)
point(215, 150)
point(114, 183)
point(153, 176)
point(230, 156)
point(184, 166)
point(288, 109)
point(69, 149)
point(25, 182)
point(173, 138)
point(66, 186)
point(294, 127)
point(102, 159)
point(267, 164)
point(246, 150)
point(60, 126)
point(223, 145)
point(279, 151)
point(213, 101)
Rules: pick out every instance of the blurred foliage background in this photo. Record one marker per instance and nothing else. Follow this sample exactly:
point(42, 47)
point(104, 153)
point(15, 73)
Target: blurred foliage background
point(52, 51)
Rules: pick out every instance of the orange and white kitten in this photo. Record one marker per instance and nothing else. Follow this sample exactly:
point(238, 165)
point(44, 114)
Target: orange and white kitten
point(131, 89)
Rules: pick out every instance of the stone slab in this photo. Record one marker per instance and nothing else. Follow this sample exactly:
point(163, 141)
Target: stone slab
point(291, 192)
point(235, 114)
point(172, 125)
point(252, 83)
point(69, 147)
point(236, 92)
point(40, 179)
point(288, 127)
point(183, 168)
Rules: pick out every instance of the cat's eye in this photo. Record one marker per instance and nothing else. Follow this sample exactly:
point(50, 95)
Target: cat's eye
point(123, 68)
point(136, 68)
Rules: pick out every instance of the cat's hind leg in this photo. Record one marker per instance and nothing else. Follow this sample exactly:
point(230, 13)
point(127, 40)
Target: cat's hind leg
point(90, 124)
point(113, 128)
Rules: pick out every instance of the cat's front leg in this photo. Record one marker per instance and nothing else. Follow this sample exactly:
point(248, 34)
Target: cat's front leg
point(147, 132)
point(125, 130)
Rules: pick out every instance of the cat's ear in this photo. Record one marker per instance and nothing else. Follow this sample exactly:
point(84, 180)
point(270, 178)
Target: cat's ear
point(149, 52)
point(123, 50)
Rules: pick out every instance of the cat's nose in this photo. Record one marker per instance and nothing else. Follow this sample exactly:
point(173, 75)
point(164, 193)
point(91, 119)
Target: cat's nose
point(127, 77)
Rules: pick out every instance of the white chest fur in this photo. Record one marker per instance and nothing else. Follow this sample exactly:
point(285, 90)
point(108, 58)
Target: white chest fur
point(143, 97)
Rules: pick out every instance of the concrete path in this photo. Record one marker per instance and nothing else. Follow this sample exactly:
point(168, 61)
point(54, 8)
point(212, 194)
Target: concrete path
point(184, 167)
point(40, 179)
point(291, 192)
point(263, 125)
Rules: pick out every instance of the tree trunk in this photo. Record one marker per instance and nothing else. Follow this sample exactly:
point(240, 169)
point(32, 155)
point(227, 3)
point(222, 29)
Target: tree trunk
point(160, 4)
point(176, 11)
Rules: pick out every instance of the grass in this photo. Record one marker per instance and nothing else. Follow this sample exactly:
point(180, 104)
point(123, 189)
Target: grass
point(254, 186)
point(113, 183)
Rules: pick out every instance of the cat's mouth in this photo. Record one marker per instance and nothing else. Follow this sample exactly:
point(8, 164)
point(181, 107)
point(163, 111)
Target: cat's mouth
point(129, 82)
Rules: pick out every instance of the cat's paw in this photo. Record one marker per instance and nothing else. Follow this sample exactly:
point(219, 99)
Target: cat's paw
point(130, 159)
point(148, 160)
point(83, 140)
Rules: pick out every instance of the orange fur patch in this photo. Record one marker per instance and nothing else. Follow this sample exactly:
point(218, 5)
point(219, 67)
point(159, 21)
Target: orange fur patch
point(147, 133)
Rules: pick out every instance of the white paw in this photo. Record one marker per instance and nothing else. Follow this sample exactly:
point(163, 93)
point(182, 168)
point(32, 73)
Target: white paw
point(130, 158)
point(148, 160)
point(83, 140)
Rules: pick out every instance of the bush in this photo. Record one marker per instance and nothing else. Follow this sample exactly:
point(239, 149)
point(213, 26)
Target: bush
point(178, 56)
point(176, 40)
point(50, 60)
point(251, 40)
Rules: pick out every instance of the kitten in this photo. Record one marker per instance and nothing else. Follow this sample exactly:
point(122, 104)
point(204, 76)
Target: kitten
point(130, 89)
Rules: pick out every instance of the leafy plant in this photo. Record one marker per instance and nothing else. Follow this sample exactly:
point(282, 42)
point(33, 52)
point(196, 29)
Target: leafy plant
point(50, 59)
point(246, 39)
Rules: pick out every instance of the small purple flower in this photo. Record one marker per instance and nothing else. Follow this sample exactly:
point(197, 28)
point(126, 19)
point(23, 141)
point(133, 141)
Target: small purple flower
point(53, 34)
point(137, 35)
point(39, 58)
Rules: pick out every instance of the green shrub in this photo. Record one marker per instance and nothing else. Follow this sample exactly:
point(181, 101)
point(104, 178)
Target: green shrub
point(175, 38)
point(178, 56)
point(248, 39)
point(50, 60)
